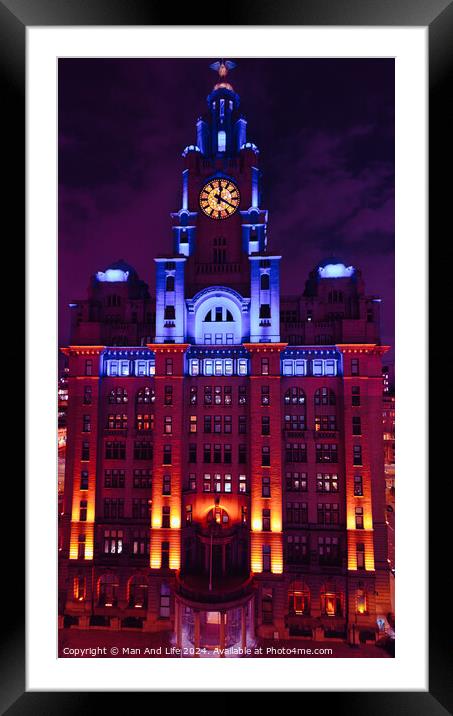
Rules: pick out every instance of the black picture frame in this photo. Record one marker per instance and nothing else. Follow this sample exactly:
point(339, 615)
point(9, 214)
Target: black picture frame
point(437, 15)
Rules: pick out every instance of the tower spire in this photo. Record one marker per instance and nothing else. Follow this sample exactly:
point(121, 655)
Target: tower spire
point(222, 66)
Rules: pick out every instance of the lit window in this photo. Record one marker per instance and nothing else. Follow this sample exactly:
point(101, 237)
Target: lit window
point(221, 141)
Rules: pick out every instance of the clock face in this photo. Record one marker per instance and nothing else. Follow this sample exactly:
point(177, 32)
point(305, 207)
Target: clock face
point(219, 198)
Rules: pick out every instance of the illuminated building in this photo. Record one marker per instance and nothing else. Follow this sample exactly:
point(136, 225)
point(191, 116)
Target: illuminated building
point(225, 452)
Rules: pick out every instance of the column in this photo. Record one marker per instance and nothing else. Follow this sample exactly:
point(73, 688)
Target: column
point(244, 626)
point(222, 634)
point(196, 632)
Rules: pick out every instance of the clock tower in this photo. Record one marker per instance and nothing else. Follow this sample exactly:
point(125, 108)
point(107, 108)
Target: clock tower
point(220, 286)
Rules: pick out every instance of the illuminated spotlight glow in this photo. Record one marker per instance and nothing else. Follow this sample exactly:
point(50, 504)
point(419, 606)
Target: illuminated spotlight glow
point(336, 271)
point(113, 276)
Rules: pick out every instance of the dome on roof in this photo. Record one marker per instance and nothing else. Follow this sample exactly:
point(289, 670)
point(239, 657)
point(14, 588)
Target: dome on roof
point(334, 268)
point(117, 272)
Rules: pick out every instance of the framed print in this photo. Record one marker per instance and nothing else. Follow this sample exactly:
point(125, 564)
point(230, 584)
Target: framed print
point(224, 228)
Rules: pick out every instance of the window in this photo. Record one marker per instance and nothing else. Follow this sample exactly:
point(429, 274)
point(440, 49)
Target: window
point(138, 593)
point(227, 395)
point(265, 425)
point(81, 547)
point(295, 422)
point(217, 482)
point(296, 513)
point(242, 454)
point(117, 421)
point(115, 450)
point(265, 456)
point(266, 603)
point(143, 450)
point(325, 423)
point(166, 457)
point(166, 516)
point(331, 604)
point(264, 366)
point(188, 514)
point(83, 507)
point(192, 453)
point(360, 554)
point(328, 513)
point(168, 395)
point(170, 283)
point(242, 424)
point(193, 424)
point(168, 366)
point(356, 425)
point(118, 395)
point(85, 451)
point(296, 482)
point(227, 454)
point(164, 604)
point(265, 395)
point(169, 315)
point(296, 452)
point(108, 587)
point(144, 421)
point(207, 452)
point(227, 483)
point(294, 396)
point(325, 396)
point(266, 558)
point(355, 397)
point(326, 482)
point(355, 366)
point(221, 140)
point(114, 478)
point(168, 425)
point(328, 551)
point(113, 508)
point(242, 366)
point(165, 557)
point(140, 509)
point(227, 424)
point(217, 453)
point(361, 603)
point(84, 480)
point(359, 518)
point(265, 282)
point(242, 484)
point(193, 394)
point(244, 514)
point(217, 395)
point(192, 482)
point(88, 367)
point(208, 395)
point(265, 486)
point(87, 395)
point(166, 485)
point(217, 423)
point(242, 395)
point(296, 549)
point(326, 452)
point(145, 395)
point(142, 479)
point(357, 454)
point(358, 486)
point(206, 482)
point(265, 310)
point(140, 543)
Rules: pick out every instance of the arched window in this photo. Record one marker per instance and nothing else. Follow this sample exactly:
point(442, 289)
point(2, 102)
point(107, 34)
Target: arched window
point(325, 396)
point(170, 283)
point(145, 395)
point(298, 598)
point(118, 395)
point(295, 396)
point(108, 586)
point(221, 141)
point(137, 592)
point(265, 282)
point(331, 601)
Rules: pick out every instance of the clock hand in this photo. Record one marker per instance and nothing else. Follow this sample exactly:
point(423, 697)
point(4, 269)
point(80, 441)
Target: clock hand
point(229, 203)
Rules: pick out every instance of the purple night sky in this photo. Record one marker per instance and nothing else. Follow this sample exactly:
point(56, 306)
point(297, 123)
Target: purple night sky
point(325, 130)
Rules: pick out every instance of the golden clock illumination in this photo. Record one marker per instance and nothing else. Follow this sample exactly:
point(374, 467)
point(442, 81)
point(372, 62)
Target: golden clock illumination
point(219, 198)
